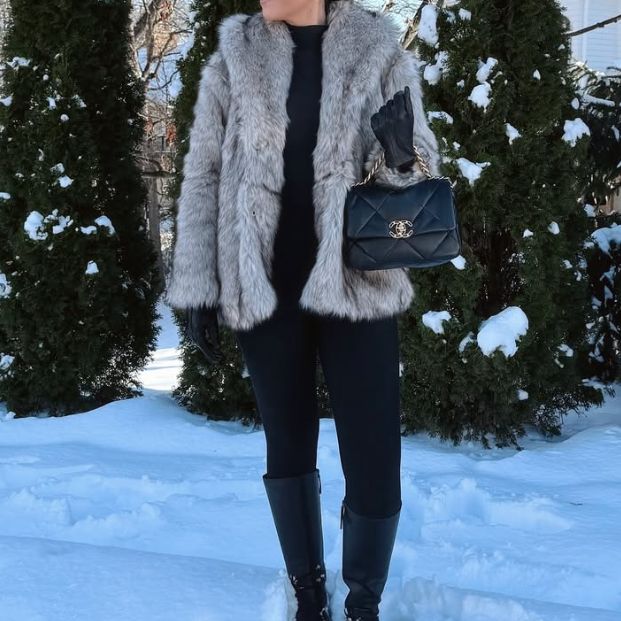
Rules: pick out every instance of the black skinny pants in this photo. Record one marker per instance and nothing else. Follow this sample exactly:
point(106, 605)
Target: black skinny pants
point(360, 362)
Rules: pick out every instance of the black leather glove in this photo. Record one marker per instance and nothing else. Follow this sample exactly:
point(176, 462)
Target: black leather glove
point(393, 125)
point(202, 329)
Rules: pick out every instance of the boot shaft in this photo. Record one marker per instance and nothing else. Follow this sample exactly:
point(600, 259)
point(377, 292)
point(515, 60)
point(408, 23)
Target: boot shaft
point(368, 543)
point(296, 510)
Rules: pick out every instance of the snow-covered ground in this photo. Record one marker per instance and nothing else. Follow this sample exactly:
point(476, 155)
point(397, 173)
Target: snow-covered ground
point(142, 511)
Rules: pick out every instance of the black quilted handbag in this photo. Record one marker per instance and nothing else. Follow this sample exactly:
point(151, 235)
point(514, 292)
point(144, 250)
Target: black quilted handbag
point(414, 226)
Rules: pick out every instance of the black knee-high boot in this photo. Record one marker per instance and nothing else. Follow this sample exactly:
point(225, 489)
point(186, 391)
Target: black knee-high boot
point(296, 509)
point(368, 543)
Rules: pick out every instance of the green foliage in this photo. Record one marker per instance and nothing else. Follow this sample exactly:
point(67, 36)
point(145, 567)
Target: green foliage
point(604, 266)
point(531, 182)
point(77, 313)
point(600, 107)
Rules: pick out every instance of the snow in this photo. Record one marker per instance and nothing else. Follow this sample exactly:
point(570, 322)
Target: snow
point(511, 132)
point(574, 130)
point(427, 28)
point(480, 95)
point(527, 233)
point(106, 223)
point(554, 228)
point(607, 235)
point(433, 72)
point(4, 196)
point(536, 74)
point(434, 319)
point(590, 210)
point(35, 222)
point(141, 510)
point(522, 395)
point(598, 101)
point(471, 170)
point(64, 181)
point(501, 331)
point(63, 223)
point(485, 69)
point(91, 268)
point(465, 14)
point(18, 61)
point(6, 101)
point(102, 221)
point(459, 262)
point(469, 338)
point(440, 115)
point(33, 226)
point(5, 286)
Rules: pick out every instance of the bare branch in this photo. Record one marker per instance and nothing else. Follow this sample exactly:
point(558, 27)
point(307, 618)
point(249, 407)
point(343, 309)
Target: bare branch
point(606, 22)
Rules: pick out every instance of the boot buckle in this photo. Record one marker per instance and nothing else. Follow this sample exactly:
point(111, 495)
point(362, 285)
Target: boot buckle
point(348, 617)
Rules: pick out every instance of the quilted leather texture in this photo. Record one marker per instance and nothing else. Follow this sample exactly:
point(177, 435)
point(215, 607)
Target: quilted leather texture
point(434, 237)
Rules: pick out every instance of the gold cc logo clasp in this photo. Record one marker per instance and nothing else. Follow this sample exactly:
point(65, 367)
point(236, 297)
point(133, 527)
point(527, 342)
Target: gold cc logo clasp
point(400, 228)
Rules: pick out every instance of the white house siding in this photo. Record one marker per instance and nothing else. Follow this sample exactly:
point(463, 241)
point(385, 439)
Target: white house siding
point(599, 48)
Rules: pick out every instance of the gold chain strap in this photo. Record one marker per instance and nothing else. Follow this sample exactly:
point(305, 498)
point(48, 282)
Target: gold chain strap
point(381, 159)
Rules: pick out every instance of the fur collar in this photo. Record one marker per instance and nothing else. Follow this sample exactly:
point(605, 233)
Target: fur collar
point(353, 30)
point(357, 47)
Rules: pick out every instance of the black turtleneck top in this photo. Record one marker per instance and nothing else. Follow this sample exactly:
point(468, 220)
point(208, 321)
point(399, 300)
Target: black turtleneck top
point(295, 244)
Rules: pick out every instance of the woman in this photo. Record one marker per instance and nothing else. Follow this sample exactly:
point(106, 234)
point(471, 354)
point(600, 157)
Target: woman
point(293, 107)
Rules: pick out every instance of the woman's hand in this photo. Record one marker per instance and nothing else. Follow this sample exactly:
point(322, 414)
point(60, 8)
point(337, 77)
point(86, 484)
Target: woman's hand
point(393, 125)
point(202, 329)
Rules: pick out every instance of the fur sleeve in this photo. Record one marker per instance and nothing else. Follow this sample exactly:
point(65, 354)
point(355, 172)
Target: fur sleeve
point(404, 71)
point(194, 275)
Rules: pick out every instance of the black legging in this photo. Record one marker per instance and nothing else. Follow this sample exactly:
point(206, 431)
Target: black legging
point(360, 362)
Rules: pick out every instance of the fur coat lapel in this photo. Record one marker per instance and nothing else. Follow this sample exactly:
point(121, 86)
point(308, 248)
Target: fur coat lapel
point(258, 54)
point(363, 64)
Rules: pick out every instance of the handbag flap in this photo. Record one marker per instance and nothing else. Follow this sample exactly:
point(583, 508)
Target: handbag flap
point(428, 204)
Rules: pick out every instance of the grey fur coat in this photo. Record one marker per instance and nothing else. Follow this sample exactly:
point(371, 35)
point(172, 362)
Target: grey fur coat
point(229, 199)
